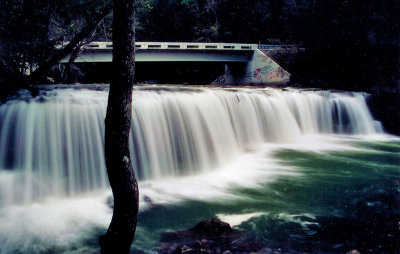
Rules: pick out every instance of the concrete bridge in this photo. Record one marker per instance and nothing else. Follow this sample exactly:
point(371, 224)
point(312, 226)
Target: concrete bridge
point(244, 63)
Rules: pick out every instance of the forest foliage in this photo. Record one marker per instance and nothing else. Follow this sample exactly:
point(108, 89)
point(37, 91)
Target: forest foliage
point(344, 38)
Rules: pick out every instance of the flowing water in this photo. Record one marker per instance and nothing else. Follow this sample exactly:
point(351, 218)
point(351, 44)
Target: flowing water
point(301, 170)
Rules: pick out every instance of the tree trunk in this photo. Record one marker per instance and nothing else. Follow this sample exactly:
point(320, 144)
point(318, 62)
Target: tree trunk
point(67, 75)
point(121, 231)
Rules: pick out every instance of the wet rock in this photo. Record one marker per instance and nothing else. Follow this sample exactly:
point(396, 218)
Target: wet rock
point(212, 227)
point(219, 81)
point(353, 252)
point(110, 202)
point(209, 236)
point(147, 199)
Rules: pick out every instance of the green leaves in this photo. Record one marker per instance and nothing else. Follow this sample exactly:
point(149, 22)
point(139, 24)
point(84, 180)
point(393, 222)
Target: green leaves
point(188, 2)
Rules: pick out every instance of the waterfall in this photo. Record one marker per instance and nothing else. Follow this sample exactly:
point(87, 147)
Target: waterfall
point(53, 144)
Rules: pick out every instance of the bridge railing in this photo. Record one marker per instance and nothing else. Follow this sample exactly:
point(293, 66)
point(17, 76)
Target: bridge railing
point(101, 45)
point(177, 46)
point(275, 47)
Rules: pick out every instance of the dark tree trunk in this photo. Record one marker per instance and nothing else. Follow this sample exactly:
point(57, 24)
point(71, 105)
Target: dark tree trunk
point(67, 75)
point(121, 231)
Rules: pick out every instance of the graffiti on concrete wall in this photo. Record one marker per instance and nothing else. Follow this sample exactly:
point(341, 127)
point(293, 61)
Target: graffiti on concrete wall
point(264, 70)
point(277, 73)
point(269, 71)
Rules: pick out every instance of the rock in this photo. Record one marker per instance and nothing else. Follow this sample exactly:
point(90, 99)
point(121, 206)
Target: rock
point(209, 236)
point(147, 199)
point(219, 81)
point(353, 252)
point(110, 202)
point(212, 227)
point(198, 244)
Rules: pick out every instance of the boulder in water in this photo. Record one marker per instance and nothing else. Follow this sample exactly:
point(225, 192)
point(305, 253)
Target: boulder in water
point(209, 236)
point(353, 252)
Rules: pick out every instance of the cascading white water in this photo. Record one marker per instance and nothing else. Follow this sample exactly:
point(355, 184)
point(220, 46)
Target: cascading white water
point(53, 144)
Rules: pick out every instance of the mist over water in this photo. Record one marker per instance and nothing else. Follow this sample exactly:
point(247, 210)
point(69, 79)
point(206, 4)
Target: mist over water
point(186, 144)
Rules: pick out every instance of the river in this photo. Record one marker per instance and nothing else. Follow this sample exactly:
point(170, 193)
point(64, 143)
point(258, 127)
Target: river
point(300, 170)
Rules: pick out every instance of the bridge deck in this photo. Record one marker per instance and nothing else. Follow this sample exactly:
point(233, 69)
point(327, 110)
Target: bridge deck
point(171, 52)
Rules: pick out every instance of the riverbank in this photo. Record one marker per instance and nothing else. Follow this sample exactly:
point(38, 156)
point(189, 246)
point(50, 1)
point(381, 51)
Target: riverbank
point(385, 107)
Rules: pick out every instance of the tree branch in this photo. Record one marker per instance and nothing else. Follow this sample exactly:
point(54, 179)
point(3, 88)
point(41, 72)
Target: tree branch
point(44, 68)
